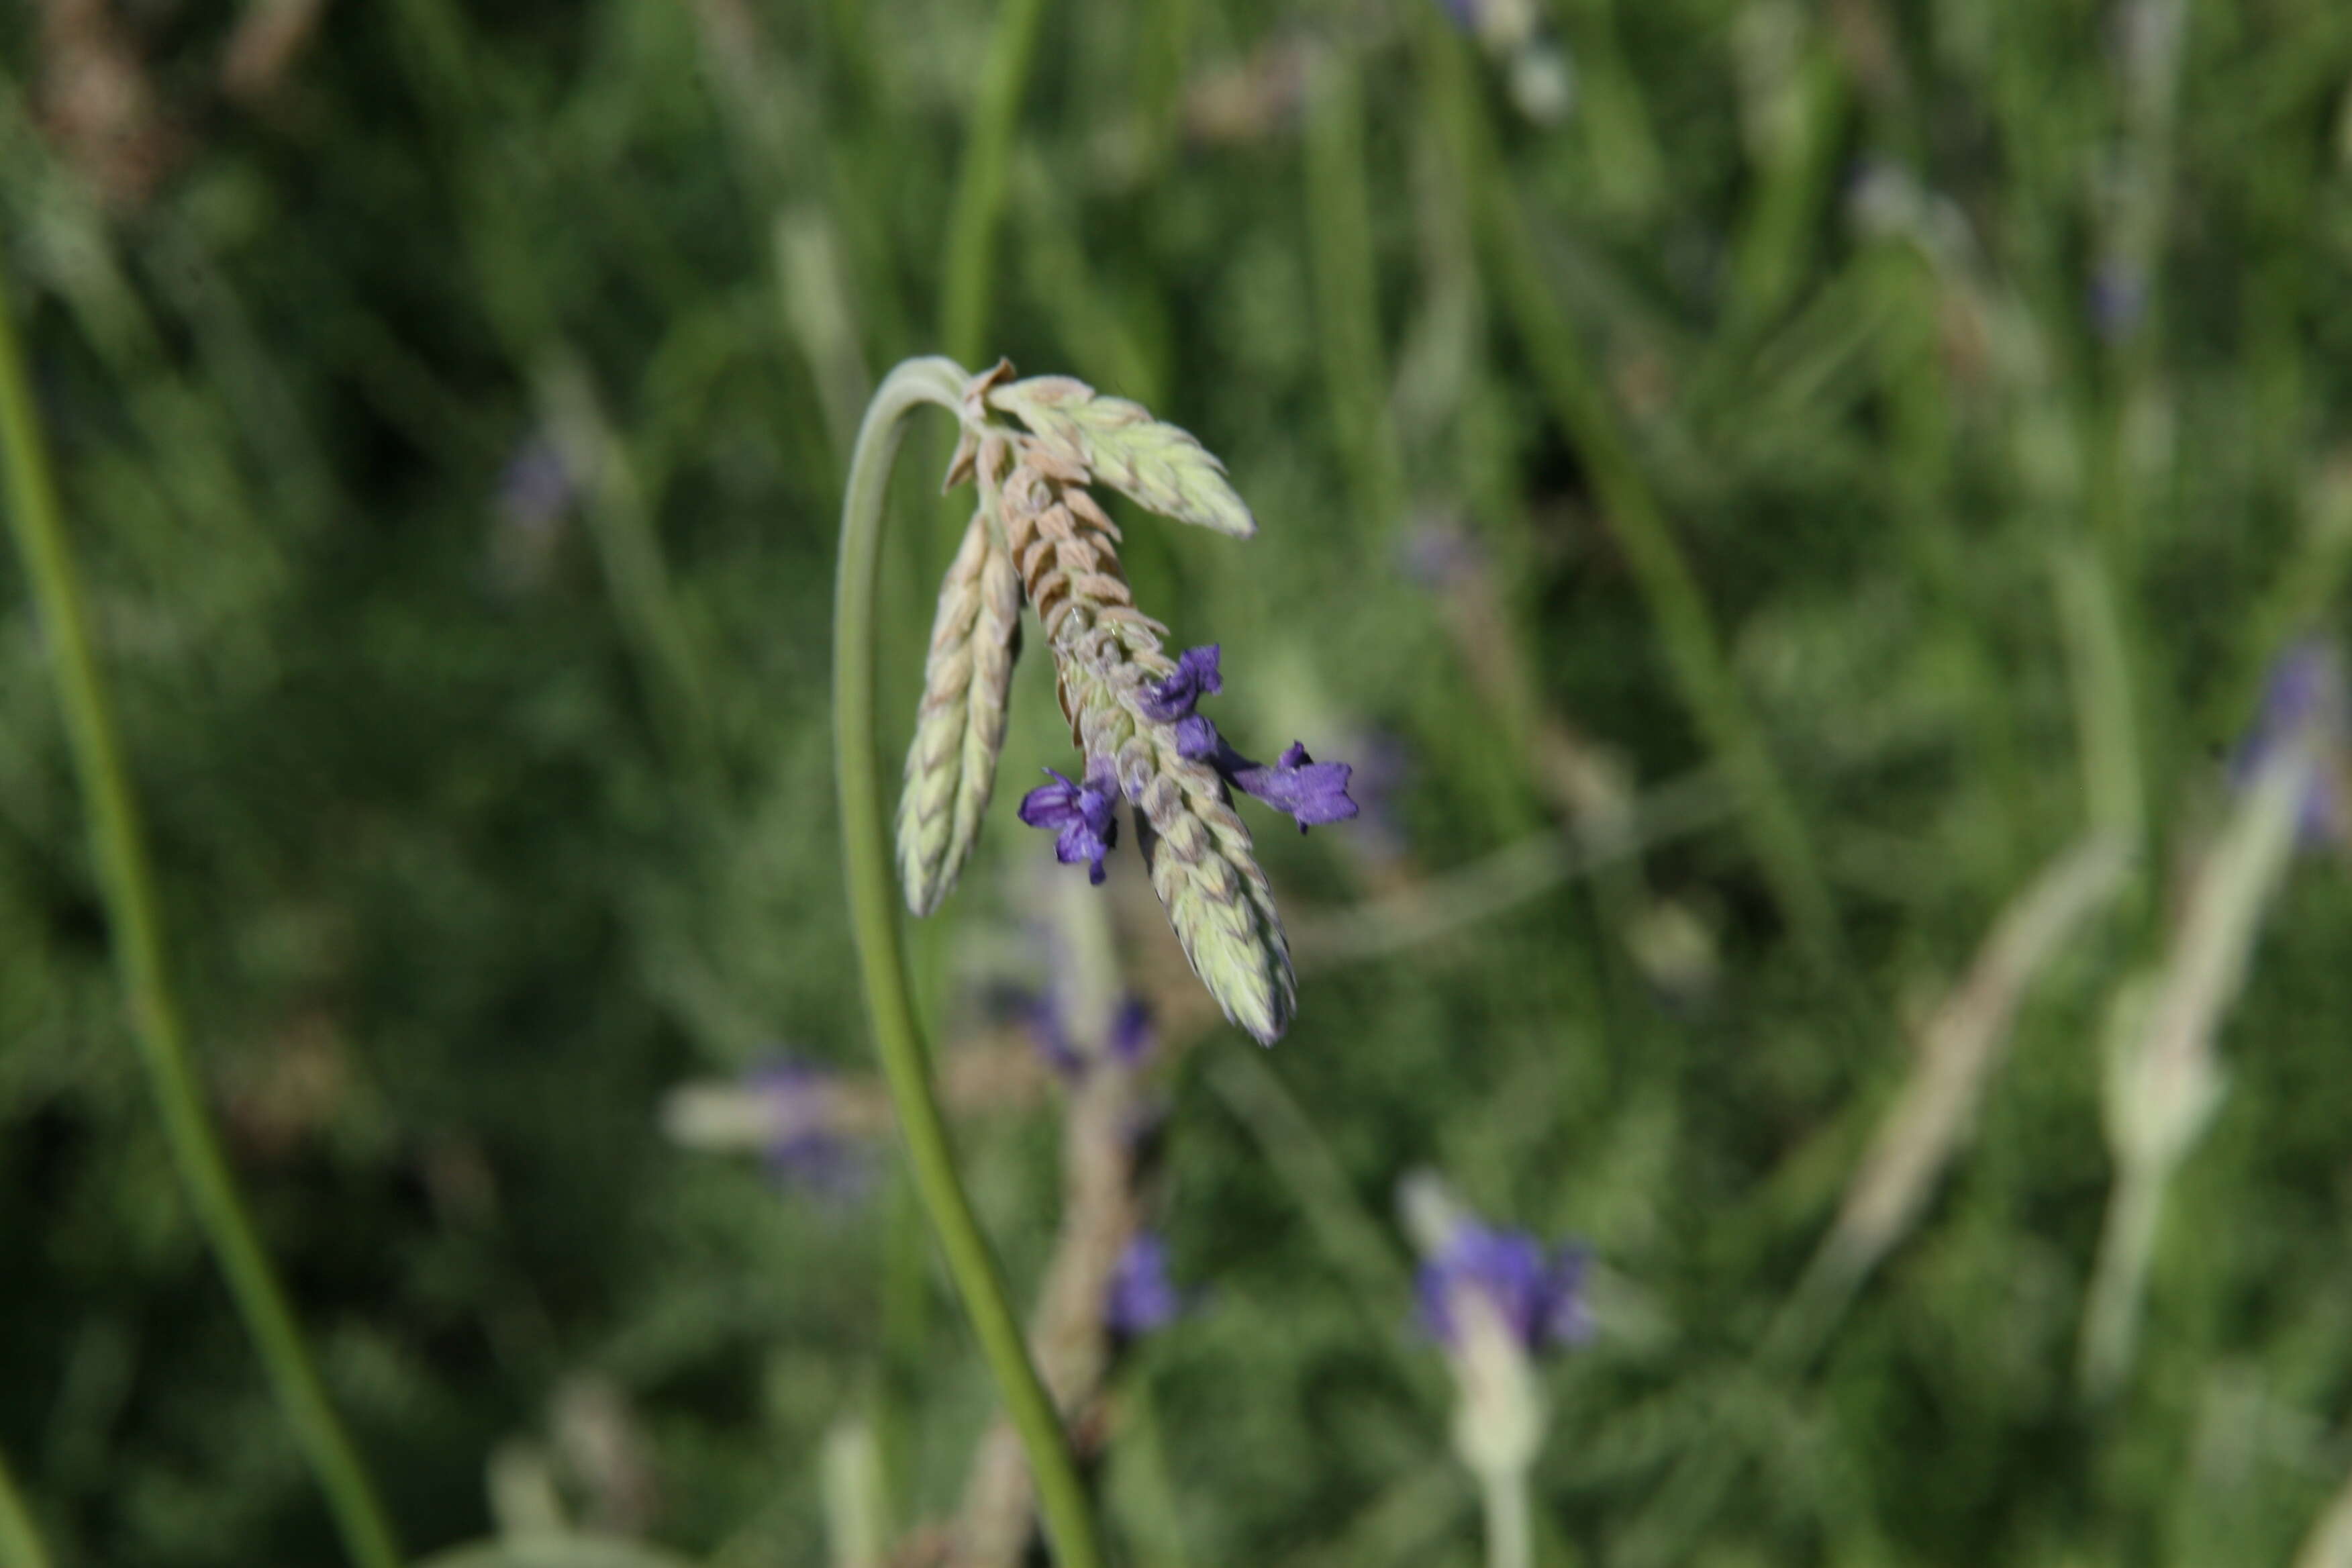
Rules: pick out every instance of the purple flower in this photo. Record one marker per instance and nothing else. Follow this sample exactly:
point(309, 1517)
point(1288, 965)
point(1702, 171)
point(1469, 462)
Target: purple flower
point(1131, 1033)
point(1172, 701)
point(1314, 793)
point(2116, 298)
point(2305, 695)
point(803, 1146)
point(1129, 1042)
point(1195, 677)
point(1540, 1298)
point(1052, 1037)
point(1141, 1297)
point(1080, 816)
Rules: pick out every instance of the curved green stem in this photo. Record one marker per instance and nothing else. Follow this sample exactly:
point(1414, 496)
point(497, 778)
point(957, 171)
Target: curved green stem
point(873, 900)
point(20, 1543)
point(118, 845)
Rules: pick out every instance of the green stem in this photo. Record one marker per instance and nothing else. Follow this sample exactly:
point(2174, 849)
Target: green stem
point(873, 898)
point(2120, 1283)
point(133, 912)
point(20, 1543)
point(1509, 1543)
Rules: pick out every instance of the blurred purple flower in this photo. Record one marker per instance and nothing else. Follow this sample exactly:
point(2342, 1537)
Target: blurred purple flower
point(1080, 817)
point(1133, 1035)
point(1540, 1298)
point(535, 488)
point(2305, 697)
point(2116, 298)
point(1440, 554)
point(1141, 1297)
point(804, 1147)
point(1128, 1044)
point(1383, 772)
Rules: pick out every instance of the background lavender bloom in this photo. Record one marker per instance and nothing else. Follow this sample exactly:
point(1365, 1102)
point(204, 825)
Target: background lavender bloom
point(1539, 1298)
point(802, 1145)
point(536, 493)
point(1377, 783)
point(2304, 703)
point(535, 488)
point(2116, 298)
point(1133, 1035)
point(1440, 554)
point(1083, 819)
point(1142, 1297)
point(1128, 1042)
point(1052, 1037)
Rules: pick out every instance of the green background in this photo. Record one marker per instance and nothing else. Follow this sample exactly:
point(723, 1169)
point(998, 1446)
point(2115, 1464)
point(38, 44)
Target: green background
point(1752, 428)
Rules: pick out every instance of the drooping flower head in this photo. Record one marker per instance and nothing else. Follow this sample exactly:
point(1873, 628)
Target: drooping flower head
point(1537, 1296)
point(1082, 817)
point(1041, 539)
point(1141, 1297)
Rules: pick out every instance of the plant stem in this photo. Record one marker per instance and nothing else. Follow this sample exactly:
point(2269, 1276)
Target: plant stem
point(20, 1543)
point(1509, 1544)
point(134, 915)
point(2120, 1283)
point(873, 898)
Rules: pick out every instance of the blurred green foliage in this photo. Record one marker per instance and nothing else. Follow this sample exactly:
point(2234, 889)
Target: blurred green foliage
point(451, 409)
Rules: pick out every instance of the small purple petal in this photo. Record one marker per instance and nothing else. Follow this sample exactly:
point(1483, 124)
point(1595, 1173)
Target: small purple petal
point(1141, 1297)
point(1314, 792)
point(1083, 817)
point(1196, 738)
point(1195, 677)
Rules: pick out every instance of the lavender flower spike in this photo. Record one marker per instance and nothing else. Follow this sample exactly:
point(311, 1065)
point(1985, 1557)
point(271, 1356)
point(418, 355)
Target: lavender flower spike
point(1081, 816)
